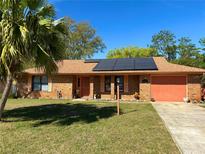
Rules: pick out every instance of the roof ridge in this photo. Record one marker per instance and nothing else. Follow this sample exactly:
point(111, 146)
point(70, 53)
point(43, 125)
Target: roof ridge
point(181, 65)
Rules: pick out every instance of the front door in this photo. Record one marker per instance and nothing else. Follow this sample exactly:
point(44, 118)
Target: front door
point(85, 86)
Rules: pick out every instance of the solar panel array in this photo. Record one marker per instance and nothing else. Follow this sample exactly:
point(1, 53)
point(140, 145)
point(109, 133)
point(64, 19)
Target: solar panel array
point(123, 64)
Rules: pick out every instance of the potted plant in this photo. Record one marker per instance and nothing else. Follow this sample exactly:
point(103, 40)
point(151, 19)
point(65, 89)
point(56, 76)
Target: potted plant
point(137, 96)
point(186, 99)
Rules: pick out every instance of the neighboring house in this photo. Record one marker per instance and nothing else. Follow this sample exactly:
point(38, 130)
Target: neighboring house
point(152, 78)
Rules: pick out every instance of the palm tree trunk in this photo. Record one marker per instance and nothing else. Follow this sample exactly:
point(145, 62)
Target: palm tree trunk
point(5, 95)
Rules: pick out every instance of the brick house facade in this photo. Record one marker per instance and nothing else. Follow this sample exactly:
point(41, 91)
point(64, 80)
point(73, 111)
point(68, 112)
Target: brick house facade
point(76, 79)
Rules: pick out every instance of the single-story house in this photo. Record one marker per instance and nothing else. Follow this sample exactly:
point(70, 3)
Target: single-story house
point(147, 78)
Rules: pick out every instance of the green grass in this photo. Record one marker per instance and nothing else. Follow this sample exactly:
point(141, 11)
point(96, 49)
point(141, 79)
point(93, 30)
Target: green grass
point(61, 126)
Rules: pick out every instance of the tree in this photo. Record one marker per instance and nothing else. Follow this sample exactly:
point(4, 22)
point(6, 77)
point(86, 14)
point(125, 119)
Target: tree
point(131, 52)
point(189, 54)
point(186, 49)
point(193, 62)
point(28, 32)
point(82, 41)
point(202, 43)
point(164, 43)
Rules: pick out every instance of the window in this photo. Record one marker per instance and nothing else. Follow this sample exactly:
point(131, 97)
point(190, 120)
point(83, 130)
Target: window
point(36, 83)
point(44, 83)
point(121, 84)
point(107, 83)
point(40, 83)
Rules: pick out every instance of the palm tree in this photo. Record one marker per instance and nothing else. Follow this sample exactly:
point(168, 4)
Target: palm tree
point(28, 32)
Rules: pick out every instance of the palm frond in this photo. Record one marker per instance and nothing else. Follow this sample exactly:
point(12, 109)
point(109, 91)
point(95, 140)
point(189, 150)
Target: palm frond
point(46, 11)
point(35, 4)
point(29, 34)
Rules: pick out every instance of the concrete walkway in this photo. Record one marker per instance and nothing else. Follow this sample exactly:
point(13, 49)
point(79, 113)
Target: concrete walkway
point(186, 123)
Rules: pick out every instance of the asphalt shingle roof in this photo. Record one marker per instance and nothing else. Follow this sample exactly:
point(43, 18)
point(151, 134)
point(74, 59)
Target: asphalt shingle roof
point(82, 67)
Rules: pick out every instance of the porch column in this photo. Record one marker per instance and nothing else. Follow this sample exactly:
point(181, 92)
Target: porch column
point(29, 85)
point(102, 84)
point(126, 83)
point(145, 87)
point(112, 94)
point(91, 96)
point(49, 84)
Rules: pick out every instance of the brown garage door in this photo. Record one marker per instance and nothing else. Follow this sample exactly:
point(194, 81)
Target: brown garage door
point(168, 88)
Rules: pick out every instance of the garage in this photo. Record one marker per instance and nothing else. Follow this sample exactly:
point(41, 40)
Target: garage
point(168, 88)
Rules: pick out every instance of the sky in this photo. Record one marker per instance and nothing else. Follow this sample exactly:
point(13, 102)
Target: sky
point(122, 23)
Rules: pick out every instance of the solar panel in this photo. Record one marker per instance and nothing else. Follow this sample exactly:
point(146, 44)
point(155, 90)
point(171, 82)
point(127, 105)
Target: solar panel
point(145, 64)
point(105, 65)
point(123, 64)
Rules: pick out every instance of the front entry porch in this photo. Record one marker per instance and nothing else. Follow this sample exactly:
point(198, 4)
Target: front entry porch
point(104, 87)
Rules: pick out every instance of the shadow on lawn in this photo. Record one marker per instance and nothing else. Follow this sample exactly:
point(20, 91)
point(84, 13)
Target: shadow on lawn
point(62, 114)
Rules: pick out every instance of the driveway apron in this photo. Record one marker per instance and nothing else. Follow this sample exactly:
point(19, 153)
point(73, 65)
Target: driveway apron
point(186, 123)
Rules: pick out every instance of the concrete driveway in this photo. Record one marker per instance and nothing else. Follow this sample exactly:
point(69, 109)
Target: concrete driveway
point(186, 123)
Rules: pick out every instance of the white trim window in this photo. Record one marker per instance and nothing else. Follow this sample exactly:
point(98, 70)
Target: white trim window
point(40, 83)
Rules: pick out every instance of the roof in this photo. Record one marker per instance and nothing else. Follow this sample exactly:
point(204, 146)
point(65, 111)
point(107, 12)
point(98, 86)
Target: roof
point(86, 67)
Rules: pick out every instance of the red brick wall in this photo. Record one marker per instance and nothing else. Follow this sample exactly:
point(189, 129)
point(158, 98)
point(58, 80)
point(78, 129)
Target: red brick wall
point(64, 83)
point(145, 93)
point(61, 83)
point(105, 96)
point(194, 87)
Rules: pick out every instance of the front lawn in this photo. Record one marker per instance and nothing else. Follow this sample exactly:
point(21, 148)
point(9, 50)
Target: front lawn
point(61, 126)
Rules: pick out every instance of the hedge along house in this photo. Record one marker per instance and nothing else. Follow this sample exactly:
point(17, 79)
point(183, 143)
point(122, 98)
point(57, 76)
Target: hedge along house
point(152, 78)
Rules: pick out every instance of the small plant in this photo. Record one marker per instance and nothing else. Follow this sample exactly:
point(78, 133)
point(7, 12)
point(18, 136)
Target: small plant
point(97, 96)
point(59, 94)
point(137, 95)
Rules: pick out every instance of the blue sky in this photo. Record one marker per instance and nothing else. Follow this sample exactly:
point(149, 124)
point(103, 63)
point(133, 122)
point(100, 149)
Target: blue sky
point(122, 23)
